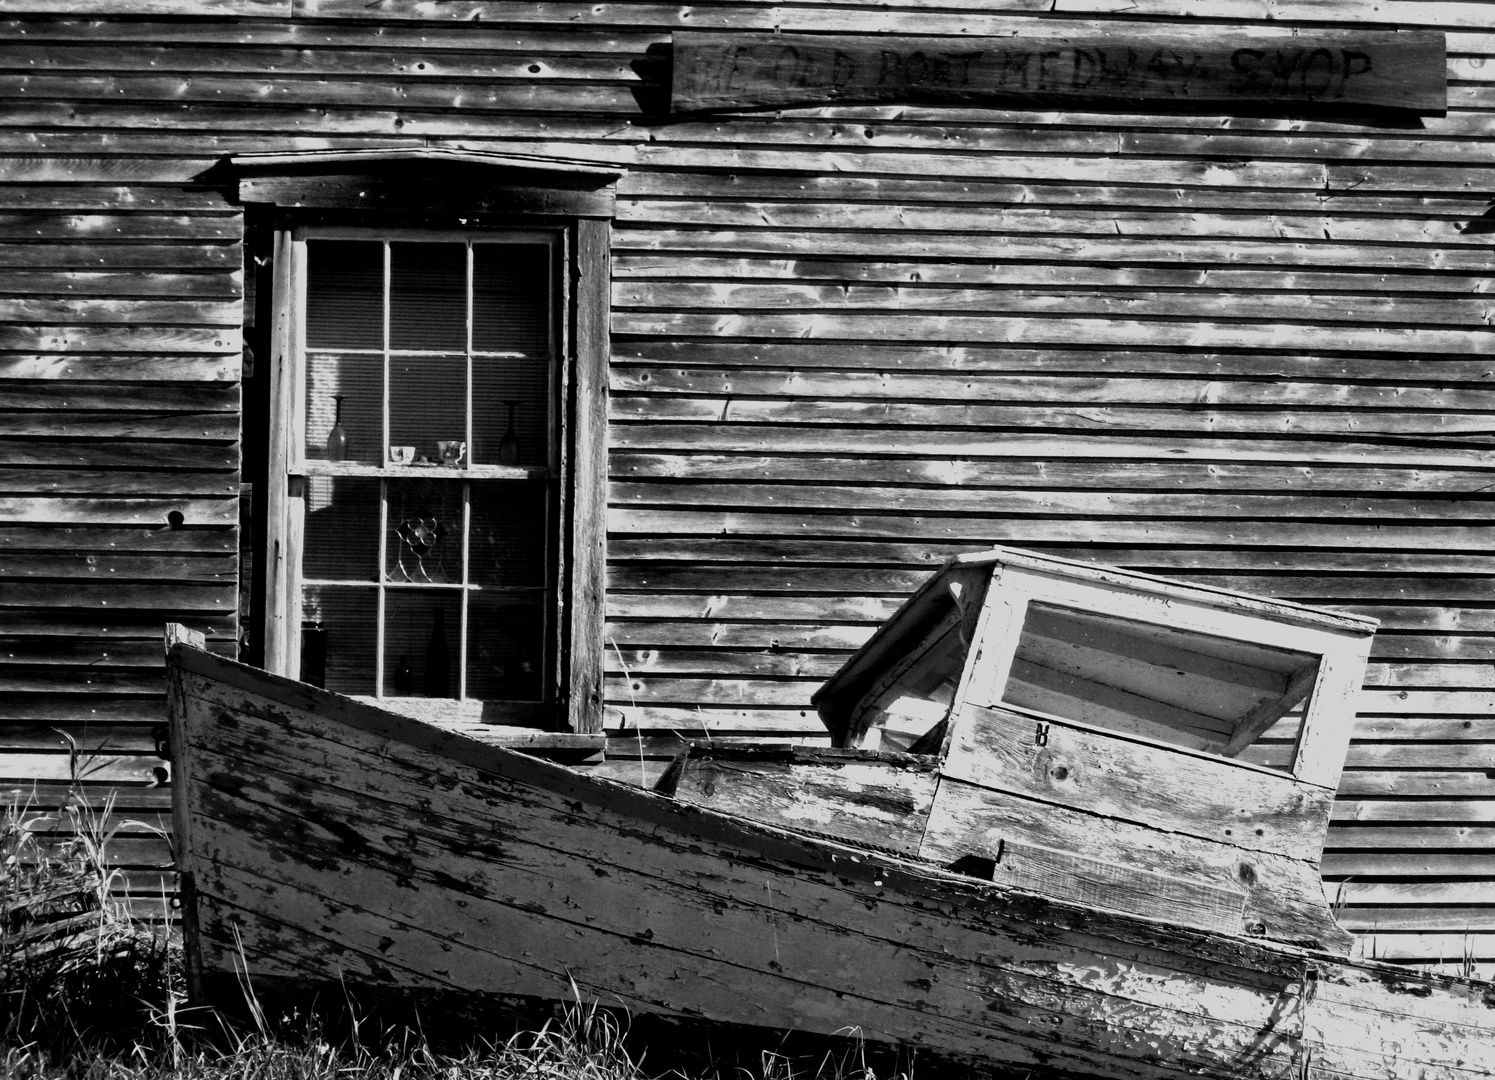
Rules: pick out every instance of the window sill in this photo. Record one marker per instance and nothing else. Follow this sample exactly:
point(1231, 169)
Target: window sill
point(434, 472)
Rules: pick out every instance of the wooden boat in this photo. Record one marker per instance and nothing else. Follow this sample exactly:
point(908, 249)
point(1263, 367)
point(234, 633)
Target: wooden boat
point(324, 840)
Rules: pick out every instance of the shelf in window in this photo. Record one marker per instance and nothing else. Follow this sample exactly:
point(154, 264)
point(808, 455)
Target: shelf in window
point(423, 472)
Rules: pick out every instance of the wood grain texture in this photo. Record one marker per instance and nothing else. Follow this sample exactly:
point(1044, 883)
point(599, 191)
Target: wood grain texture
point(261, 853)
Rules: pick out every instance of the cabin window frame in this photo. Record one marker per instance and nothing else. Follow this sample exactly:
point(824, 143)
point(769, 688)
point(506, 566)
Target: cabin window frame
point(454, 195)
point(1317, 756)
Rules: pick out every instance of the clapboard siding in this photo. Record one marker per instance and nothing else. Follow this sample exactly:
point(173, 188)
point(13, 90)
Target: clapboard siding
point(1254, 352)
point(121, 320)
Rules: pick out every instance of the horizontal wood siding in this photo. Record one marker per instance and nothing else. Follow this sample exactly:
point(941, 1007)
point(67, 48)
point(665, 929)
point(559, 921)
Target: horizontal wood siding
point(848, 342)
point(121, 325)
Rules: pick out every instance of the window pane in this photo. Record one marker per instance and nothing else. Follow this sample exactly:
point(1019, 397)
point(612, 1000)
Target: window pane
point(358, 381)
point(422, 631)
point(501, 388)
point(424, 542)
point(427, 402)
point(344, 294)
point(428, 296)
point(338, 637)
point(511, 298)
point(505, 647)
point(342, 529)
point(507, 547)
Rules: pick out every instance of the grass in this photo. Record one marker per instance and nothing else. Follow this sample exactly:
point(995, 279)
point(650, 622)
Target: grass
point(88, 991)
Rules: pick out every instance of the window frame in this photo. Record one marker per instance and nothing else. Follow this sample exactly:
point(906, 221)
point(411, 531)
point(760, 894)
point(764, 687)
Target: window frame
point(468, 194)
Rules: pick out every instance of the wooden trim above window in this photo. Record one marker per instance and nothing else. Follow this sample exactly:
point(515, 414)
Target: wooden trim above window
point(427, 178)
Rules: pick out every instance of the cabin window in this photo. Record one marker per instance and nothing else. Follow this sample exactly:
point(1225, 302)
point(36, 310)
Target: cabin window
point(424, 419)
point(1201, 691)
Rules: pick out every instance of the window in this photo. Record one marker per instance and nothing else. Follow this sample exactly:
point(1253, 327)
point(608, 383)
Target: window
point(431, 439)
point(433, 497)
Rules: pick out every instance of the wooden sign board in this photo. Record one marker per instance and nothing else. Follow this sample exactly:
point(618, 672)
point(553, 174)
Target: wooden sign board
point(1368, 69)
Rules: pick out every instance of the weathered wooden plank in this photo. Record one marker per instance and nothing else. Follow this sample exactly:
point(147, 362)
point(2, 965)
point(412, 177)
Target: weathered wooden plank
point(1126, 250)
point(155, 258)
point(109, 566)
point(165, 455)
point(68, 395)
point(125, 339)
point(97, 768)
point(1024, 329)
point(121, 511)
point(67, 704)
point(196, 312)
point(720, 71)
point(1079, 439)
point(955, 500)
point(1420, 783)
point(1363, 837)
point(182, 368)
point(761, 664)
point(61, 539)
point(95, 228)
point(1046, 388)
point(881, 803)
point(833, 189)
point(1109, 474)
point(1331, 223)
point(260, 8)
point(191, 427)
point(887, 17)
point(977, 532)
point(70, 482)
point(161, 596)
point(1306, 307)
point(1414, 810)
point(665, 690)
point(1166, 561)
point(1117, 778)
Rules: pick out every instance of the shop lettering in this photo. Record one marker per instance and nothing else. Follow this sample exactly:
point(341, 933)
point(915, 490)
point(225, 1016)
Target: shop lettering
point(726, 70)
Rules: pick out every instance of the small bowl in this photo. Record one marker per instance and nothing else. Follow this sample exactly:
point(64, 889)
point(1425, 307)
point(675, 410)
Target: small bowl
point(401, 455)
point(451, 451)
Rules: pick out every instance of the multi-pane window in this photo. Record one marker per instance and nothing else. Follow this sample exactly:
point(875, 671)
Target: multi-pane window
point(425, 449)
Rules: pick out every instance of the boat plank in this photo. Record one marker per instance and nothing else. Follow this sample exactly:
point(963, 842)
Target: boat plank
point(1117, 778)
point(968, 820)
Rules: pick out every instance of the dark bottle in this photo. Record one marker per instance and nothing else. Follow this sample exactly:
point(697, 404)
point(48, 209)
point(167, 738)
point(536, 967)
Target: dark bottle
point(508, 446)
point(404, 679)
point(438, 660)
point(337, 438)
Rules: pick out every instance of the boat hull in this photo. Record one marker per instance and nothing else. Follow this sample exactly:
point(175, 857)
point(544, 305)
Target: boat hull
point(327, 840)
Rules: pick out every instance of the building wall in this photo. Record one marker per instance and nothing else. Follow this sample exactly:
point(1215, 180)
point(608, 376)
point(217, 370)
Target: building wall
point(1252, 352)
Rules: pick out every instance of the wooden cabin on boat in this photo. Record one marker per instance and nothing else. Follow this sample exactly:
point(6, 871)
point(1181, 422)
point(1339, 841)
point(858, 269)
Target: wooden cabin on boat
point(596, 376)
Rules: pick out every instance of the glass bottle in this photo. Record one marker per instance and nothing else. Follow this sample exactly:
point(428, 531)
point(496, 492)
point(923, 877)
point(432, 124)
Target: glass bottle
point(337, 438)
point(438, 660)
point(508, 446)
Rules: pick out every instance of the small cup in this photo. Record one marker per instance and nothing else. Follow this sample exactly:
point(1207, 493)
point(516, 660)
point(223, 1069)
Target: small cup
point(401, 455)
point(451, 451)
